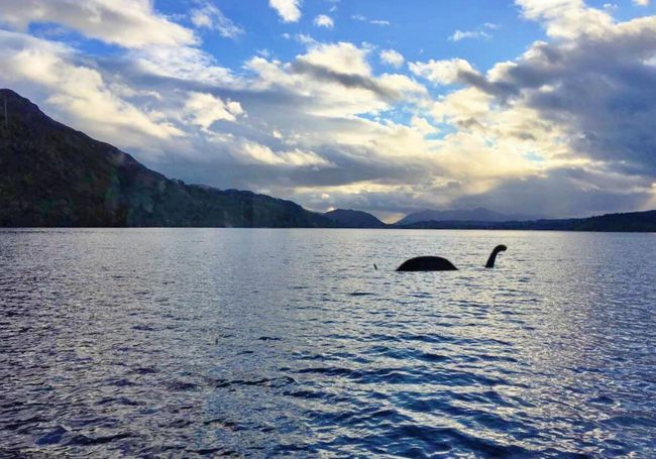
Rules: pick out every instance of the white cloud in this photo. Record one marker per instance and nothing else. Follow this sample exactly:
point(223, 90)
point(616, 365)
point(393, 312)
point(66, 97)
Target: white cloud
point(333, 80)
point(204, 109)
point(254, 153)
point(324, 21)
point(567, 19)
point(288, 10)
point(184, 63)
point(341, 57)
point(81, 92)
point(444, 72)
point(641, 2)
point(334, 4)
point(578, 105)
point(378, 22)
point(481, 32)
point(208, 16)
point(401, 84)
point(127, 23)
point(459, 35)
point(423, 125)
point(392, 57)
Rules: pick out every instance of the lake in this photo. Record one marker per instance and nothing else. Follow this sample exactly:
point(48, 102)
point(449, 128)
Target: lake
point(289, 343)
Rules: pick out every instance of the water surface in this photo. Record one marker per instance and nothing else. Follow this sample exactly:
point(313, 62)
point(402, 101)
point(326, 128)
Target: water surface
point(288, 343)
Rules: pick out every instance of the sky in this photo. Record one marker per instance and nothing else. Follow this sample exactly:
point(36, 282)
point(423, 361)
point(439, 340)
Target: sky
point(541, 107)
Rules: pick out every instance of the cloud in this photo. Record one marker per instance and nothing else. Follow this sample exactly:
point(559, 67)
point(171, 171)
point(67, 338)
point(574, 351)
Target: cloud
point(378, 22)
point(564, 193)
point(204, 109)
point(567, 19)
point(288, 10)
point(392, 57)
point(251, 152)
point(444, 72)
point(81, 92)
point(182, 63)
point(334, 80)
point(574, 113)
point(208, 16)
point(641, 2)
point(347, 80)
point(334, 4)
point(127, 23)
point(341, 57)
point(599, 91)
point(460, 35)
point(347, 65)
point(481, 32)
point(324, 21)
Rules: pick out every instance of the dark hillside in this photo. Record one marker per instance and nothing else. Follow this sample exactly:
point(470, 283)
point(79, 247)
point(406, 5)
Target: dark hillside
point(52, 175)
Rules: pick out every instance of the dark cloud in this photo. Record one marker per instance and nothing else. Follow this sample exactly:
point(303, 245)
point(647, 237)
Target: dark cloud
point(350, 166)
point(563, 193)
point(601, 91)
point(347, 80)
point(500, 90)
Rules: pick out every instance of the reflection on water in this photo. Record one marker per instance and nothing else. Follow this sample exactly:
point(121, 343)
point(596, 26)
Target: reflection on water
point(288, 343)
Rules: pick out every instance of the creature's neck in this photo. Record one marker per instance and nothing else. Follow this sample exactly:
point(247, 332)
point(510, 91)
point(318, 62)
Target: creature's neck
point(492, 259)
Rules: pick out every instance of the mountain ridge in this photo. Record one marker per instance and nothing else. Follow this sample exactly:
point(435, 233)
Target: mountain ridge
point(479, 214)
point(348, 218)
point(54, 176)
point(636, 222)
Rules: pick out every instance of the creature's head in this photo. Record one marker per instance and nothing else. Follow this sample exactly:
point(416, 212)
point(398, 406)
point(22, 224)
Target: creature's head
point(493, 255)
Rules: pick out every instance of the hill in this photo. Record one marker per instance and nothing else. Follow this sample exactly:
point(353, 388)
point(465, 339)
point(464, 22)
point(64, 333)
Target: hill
point(346, 218)
point(52, 175)
point(474, 215)
point(624, 222)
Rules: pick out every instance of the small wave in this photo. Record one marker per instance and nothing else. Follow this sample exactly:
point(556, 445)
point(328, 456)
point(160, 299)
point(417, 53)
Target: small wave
point(362, 294)
point(263, 382)
point(84, 440)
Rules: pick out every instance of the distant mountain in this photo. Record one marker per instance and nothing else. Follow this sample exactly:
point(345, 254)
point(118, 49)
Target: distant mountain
point(626, 222)
point(52, 175)
point(475, 215)
point(353, 219)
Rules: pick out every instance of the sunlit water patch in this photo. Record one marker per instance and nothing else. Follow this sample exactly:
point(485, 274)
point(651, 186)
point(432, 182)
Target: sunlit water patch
point(289, 343)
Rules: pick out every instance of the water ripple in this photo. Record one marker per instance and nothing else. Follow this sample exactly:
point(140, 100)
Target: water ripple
point(192, 343)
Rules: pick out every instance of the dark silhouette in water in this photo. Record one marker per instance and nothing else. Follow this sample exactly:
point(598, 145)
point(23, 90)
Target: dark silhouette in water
point(442, 264)
point(427, 264)
point(493, 255)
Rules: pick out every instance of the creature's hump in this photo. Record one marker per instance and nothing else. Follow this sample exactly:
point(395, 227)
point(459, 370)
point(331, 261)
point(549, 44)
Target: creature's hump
point(427, 264)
